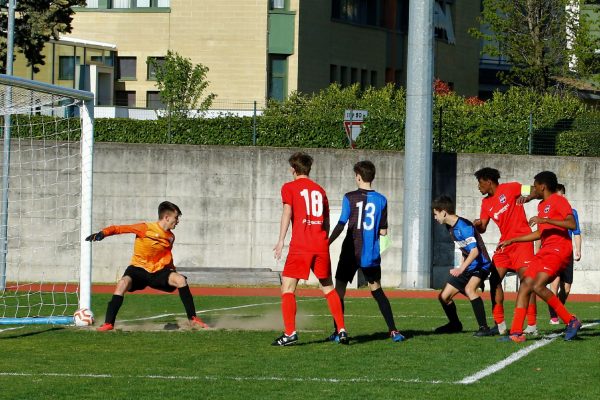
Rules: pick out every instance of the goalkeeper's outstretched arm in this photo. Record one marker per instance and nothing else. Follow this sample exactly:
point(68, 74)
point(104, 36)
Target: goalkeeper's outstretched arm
point(139, 230)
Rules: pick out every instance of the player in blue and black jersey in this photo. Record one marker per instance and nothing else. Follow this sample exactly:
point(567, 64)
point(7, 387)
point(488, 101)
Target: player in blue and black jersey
point(475, 267)
point(365, 212)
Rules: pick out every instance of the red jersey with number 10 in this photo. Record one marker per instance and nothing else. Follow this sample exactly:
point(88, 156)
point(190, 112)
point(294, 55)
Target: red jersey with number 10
point(554, 207)
point(503, 209)
point(310, 209)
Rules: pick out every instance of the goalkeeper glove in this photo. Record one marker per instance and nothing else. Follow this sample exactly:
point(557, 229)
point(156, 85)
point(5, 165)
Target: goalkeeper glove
point(95, 237)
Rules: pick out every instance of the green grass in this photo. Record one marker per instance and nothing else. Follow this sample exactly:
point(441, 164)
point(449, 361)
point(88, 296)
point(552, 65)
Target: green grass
point(67, 362)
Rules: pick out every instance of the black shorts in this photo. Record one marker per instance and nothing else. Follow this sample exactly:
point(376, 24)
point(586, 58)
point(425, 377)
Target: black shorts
point(566, 275)
point(347, 267)
point(460, 282)
point(140, 279)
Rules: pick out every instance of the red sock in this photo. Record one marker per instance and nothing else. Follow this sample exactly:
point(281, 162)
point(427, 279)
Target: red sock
point(335, 307)
point(560, 309)
point(498, 313)
point(531, 314)
point(288, 309)
point(518, 318)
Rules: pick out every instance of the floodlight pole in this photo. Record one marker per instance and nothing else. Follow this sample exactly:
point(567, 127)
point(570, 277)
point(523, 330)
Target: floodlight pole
point(10, 36)
point(416, 226)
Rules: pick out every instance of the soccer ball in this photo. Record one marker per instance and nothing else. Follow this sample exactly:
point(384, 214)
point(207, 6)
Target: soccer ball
point(83, 317)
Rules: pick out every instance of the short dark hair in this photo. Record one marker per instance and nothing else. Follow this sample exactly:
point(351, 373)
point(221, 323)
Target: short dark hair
point(301, 163)
point(547, 178)
point(165, 207)
point(366, 170)
point(488, 174)
point(444, 203)
point(561, 188)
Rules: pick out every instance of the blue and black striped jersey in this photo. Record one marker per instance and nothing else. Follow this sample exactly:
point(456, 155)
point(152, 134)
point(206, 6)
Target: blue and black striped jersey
point(466, 237)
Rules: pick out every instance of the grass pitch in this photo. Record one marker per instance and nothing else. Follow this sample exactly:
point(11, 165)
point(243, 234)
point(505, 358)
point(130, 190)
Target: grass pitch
point(155, 355)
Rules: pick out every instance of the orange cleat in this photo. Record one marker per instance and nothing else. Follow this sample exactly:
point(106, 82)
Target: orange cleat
point(198, 323)
point(517, 337)
point(106, 327)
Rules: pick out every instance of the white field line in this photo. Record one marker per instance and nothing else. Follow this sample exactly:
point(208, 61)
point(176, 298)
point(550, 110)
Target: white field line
point(208, 311)
point(219, 378)
point(11, 329)
point(492, 369)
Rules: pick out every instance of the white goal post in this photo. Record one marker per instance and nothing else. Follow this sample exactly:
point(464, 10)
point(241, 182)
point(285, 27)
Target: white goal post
point(47, 133)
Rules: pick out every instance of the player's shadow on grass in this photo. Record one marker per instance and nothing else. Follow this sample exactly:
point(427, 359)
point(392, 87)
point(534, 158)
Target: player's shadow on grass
point(23, 335)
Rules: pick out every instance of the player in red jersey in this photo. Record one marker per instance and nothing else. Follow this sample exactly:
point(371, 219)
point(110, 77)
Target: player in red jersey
point(305, 205)
point(501, 205)
point(554, 219)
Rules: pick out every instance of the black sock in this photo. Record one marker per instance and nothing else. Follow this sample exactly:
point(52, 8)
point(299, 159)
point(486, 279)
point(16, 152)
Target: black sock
point(479, 311)
point(188, 301)
point(385, 308)
point(343, 309)
point(552, 312)
point(113, 308)
point(450, 310)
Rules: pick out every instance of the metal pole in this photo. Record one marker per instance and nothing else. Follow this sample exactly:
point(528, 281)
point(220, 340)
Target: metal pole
point(416, 229)
point(87, 153)
point(254, 125)
point(12, 4)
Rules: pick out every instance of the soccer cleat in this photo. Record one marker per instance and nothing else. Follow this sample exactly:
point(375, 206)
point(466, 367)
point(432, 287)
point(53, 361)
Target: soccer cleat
point(554, 321)
point(483, 331)
point(334, 337)
point(517, 337)
point(495, 330)
point(343, 337)
point(572, 329)
point(105, 327)
point(449, 328)
point(531, 330)
point(285, 340)
point(397, 336)
point(198, 323)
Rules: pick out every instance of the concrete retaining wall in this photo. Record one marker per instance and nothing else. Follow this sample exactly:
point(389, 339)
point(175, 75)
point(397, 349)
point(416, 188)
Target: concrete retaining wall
point(230, 199)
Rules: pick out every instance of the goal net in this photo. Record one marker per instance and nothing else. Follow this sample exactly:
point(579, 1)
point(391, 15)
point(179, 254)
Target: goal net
point(47, 143)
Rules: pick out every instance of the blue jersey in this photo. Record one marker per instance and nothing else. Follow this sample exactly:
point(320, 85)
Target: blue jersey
point(575, 231)
point(365, 211)
point(467, 238)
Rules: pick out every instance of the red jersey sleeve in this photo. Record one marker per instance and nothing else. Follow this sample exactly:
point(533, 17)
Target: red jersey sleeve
point(514, 189)
point(563, 207)
point(286, 194)
point(139, 229)
point(483, 213)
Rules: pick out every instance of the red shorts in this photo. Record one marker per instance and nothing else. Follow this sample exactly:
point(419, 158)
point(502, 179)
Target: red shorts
point(549, 260)
point(513, 257)
point(299, 265)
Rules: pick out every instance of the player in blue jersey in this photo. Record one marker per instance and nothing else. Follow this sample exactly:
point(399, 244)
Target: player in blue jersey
point(561, 286)
point(474, 268)
point(365, 212)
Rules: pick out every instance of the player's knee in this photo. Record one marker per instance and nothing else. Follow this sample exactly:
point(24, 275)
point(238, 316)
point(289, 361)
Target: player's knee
point(443, 298)
point(178, 280)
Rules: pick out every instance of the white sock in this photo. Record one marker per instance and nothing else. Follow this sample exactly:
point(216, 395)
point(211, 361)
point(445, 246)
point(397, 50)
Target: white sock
point(502, 327)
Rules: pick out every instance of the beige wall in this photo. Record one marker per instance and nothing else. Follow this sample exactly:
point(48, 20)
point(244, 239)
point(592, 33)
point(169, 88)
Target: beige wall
point(229, 37)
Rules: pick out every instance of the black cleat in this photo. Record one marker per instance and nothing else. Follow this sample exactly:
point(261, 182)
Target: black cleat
point(285, 340)
point(334, 337)
point(483, 331)
point(343, 338)
point(449, 328)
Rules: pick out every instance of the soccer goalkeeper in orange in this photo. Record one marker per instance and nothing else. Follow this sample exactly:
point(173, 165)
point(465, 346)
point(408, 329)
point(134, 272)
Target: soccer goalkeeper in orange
point(151, 264)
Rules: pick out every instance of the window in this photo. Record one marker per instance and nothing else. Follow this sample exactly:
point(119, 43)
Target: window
point(92, 4)
point(364, 12)
point(353, 75)
point(66, 67)
point(121, 4)
point(374, 78)
point(344, 76)
point(278, 77)
point(126, 68)
point(153, 101)
point(364, 75)
point(151, 70)
point(277, 4)
point(125, 98)
point(333, 73)
point(152, 3)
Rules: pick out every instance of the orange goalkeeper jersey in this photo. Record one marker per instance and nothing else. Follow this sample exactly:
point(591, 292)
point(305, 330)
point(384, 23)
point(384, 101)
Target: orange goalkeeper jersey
point(152, 246)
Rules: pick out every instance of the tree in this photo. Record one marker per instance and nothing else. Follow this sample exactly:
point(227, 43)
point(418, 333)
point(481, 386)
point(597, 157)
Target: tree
point(181, 85)
point(539, 38)
point(36, 22)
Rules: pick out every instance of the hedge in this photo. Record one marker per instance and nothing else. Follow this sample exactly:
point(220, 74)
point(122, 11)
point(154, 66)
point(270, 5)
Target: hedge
point(561, 124)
